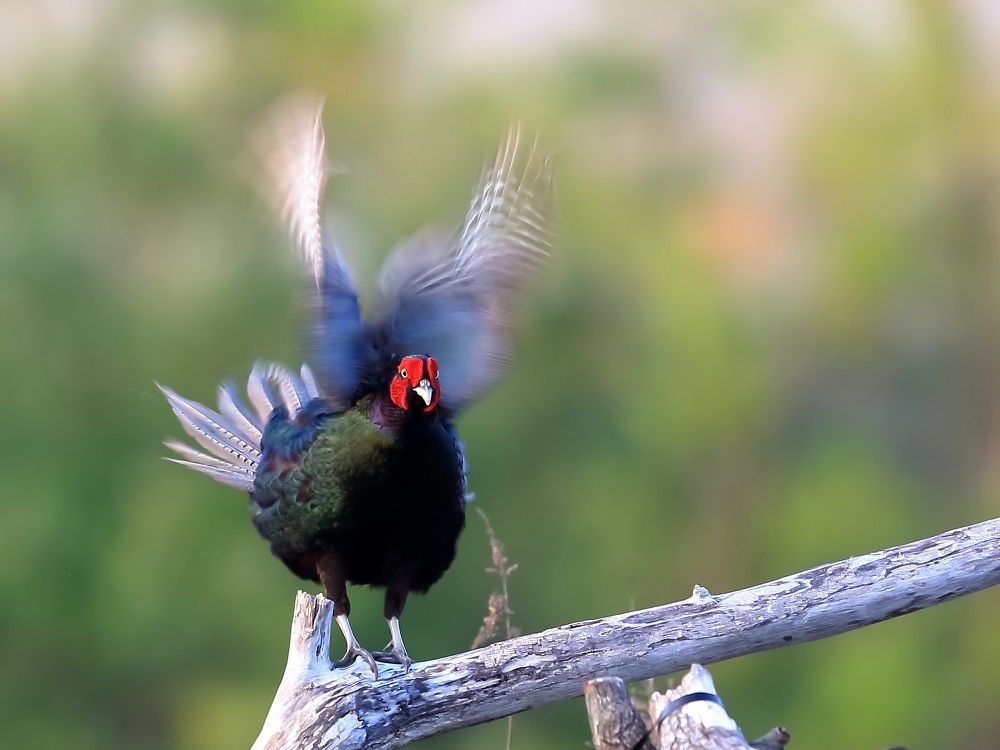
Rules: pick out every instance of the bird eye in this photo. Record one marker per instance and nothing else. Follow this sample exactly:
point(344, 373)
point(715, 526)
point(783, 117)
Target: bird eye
point(403, 374)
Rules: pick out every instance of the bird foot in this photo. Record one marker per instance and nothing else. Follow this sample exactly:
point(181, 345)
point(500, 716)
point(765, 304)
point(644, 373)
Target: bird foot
point(394, 656)
point(354, 651)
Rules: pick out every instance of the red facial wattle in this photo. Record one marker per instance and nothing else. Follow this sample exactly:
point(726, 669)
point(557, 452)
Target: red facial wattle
point(416, 375)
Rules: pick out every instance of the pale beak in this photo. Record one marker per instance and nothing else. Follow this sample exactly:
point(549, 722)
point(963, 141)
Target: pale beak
point(425, 391)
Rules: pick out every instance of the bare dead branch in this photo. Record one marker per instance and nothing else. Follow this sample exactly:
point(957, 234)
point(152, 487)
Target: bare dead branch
point(700, 725)
point(689, 717)
point(319, 708)
point(615, 724)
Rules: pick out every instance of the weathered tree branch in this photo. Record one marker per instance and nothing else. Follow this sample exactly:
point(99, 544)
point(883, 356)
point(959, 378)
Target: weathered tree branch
point(319, 708)
point(683, 718)
point(700, 725)
point(615, 724)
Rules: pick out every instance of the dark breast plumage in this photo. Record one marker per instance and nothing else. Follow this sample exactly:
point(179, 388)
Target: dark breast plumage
point(391, 504)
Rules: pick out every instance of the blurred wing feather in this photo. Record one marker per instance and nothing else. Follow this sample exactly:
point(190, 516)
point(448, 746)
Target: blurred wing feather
point(460, 301)
point(291, 147)
point(309, 381)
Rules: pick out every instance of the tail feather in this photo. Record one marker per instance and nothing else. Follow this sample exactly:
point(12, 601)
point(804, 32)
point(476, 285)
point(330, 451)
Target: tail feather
point(232, 436)
point(196, 456)
point(231, 407)
point(291, 390)
point(229, 477)
point(260, 392)
point(213, 431)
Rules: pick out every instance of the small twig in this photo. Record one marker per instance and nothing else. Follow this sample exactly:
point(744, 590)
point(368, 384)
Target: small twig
point(776, 739)
point(499, 604)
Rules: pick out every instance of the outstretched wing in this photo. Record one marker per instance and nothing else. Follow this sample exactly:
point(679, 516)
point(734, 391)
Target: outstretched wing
point(459, 301)
point(290, 146)
point(232, 435)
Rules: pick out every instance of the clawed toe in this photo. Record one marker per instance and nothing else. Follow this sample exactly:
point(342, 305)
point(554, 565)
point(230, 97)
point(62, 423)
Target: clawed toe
point(394, 656)
point(354, 651)
point(395, 652)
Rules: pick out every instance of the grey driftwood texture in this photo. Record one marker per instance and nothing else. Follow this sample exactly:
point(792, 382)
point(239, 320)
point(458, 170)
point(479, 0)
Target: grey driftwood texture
point(316, 708)
point(702, 725)
point(615, 724)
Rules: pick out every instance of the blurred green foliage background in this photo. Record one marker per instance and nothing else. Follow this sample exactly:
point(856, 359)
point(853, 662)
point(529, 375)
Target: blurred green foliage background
point(771, 337)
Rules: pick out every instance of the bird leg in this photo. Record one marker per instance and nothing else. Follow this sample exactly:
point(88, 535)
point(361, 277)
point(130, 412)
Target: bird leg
point(333, 581)
point(354, 649)
point(395, 652)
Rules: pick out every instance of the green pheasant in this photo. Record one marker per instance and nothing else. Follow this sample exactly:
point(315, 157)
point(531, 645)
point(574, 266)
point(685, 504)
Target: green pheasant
point(356, 474)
